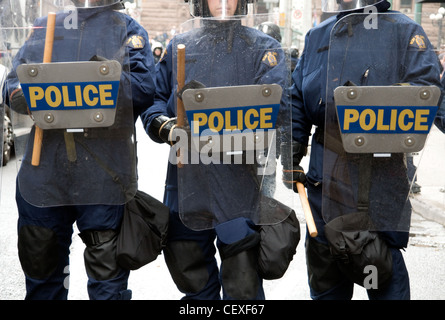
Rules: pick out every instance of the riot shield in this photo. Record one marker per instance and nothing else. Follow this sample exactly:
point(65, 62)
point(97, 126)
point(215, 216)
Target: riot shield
point(70, 95)
point(233, 115)
point(381, 101)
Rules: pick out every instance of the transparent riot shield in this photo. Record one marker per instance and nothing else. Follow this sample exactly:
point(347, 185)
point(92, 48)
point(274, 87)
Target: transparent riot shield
point(233, 115)
point(381, 101)
point(70, 95)
point(4, 124)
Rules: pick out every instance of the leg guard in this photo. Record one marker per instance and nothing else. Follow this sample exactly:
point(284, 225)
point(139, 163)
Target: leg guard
point(187, 265)
point(238, 246)
point(325, 279)
point(106, 279)
point(38, 251)
point(100, 254)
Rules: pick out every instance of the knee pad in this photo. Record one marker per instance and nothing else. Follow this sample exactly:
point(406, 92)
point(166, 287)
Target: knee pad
point(100, 254)
point(239, 273)
point(38, 251)
point(186, 263)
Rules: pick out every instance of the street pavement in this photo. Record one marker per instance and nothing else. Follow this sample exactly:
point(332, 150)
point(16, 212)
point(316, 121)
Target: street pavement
point(425, 255)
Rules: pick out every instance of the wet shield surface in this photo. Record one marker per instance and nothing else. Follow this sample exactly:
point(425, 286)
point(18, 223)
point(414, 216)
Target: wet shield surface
point(380, 105)
point(233, 116)
point(77, 101)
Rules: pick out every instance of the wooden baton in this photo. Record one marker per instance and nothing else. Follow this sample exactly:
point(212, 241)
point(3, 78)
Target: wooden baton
point(47, 56)
point(180, 78)
point(307, 210)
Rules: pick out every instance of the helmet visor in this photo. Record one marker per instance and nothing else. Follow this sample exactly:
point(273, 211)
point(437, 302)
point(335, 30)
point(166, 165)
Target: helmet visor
point(346, 5)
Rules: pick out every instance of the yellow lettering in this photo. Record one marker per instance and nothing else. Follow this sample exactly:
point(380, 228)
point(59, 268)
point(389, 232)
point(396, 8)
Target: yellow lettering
point(380, 125)
point(265, 118)
point(421, 121)
point(372, 119)
point(402, 124)
point(229, 125)
point(220, 120)
point(105, 94)
point(240, 120)
point(79, 101)
point(199, 119)
point(351, 115)
point(393, 123)
point(35, 93)
point(66, 98)
point(248, 120)
point(86, 95)
point(57, 96)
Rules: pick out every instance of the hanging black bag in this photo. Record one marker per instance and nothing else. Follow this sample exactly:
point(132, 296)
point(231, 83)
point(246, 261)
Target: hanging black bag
point(355, 247)
point(143, 232)
point(279, 241)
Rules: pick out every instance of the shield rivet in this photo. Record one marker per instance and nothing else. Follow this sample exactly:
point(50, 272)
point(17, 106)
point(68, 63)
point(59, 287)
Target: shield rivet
point(352, 94)
point(49, 117)
point(267, 91)
point(410, 141)
point(359, 141)
point(104, 70)
point(98, 117)
point(32, 71)
point(425, 94)
point(199, 97)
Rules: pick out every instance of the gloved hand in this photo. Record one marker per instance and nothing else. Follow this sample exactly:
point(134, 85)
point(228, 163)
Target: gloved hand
point(190, 85)
point(163, 127)
point(17, 102)
point(291, 155)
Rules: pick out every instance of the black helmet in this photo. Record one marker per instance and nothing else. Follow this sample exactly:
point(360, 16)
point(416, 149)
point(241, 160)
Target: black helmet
point(200, 8)
point(271, 29)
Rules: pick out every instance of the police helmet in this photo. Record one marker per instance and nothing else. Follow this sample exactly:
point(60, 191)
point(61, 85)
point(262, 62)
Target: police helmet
point(200, 8)
point(271, 29)
point(346, 5)
point(95, 3)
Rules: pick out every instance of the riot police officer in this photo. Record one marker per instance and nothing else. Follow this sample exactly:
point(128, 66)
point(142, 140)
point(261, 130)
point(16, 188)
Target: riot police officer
point(220, 53)
point(92, 187)
point(403, 57)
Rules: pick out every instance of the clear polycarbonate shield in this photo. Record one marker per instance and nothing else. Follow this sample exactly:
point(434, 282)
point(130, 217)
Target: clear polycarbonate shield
point(71, 103)
point(4, 124)
point(232, 117)
point(380, 105)
point(10, 32)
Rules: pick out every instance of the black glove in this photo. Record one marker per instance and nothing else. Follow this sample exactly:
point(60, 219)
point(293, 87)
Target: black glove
point(163, 127)
point(17, 102)
point(291, 155)
point(190, 85)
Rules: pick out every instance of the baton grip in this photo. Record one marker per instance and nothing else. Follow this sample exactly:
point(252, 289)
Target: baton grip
point(47, 56)
point(312, 228)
